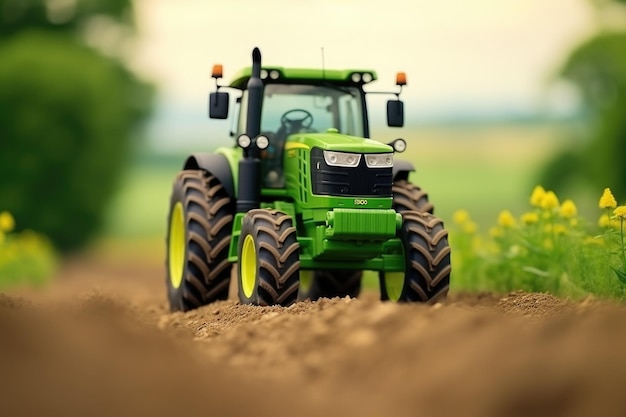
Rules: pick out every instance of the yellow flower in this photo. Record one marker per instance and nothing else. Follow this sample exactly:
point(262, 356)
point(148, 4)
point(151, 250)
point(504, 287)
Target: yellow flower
point(496, 232)
point(607, 200)
point(560, 229)
point(547, 244)
point(506, 219)
point(6, 222)
point(620, 212)
point(568, 209)
point(537, 196)
point(549, 200)
point(604, 221)
point(460, 216)
point(530, 218)
point(469, 227)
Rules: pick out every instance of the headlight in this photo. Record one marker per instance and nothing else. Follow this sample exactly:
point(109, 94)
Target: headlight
point(243, 141)
point(379, 160)
point(342, 159)
point(262, 142)
point(399, 145)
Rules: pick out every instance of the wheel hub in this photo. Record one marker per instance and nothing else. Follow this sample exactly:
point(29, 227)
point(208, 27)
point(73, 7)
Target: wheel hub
point(248, 266)
point(176, 245)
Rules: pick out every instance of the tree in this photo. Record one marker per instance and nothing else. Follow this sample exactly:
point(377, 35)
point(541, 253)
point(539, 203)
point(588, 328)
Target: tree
point(67, 117)
point(597, 68)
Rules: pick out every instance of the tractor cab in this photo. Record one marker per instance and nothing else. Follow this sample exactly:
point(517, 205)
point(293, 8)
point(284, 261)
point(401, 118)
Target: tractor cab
point(301, 101)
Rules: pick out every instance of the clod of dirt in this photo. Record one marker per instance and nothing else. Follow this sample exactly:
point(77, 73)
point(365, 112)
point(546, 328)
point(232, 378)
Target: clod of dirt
point(532, 305)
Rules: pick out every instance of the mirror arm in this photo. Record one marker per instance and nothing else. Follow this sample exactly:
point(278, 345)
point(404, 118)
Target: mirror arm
point(392, 93)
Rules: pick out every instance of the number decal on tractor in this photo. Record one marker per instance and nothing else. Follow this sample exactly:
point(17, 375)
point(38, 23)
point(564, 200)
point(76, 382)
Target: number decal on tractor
point(360, 202)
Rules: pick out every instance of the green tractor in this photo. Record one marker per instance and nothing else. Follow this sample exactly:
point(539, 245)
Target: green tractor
point(304, 202)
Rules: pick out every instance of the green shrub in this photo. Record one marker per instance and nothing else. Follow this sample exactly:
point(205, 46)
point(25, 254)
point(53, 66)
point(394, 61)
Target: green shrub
point(598, 69)
point(25, 258)
point(67, 115)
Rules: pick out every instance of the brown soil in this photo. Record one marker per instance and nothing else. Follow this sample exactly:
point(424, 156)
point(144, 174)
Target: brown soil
point(100, 341)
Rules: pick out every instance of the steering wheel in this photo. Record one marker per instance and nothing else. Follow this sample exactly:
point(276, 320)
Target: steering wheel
point(295, 124)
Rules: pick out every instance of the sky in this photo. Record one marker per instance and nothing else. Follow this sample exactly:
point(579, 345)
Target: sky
point(457, 54)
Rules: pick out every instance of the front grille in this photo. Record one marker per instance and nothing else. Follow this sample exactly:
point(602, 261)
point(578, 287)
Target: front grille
point(349, 181)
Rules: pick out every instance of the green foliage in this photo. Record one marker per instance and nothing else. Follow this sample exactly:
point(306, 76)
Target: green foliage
point(66, 113)
point(549, 248)
point(598, 69)
point(25, 258)
point(58, 15)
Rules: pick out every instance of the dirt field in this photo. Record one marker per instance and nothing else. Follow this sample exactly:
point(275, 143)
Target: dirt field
point(100, 341)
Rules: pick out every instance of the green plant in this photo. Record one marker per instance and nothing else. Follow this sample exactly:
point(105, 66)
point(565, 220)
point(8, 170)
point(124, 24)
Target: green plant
point(25, 258)
point(614, 232)
point(548, 248)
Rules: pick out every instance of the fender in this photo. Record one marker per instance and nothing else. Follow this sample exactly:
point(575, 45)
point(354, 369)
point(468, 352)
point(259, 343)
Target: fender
point(217, 165)
point(401, 170)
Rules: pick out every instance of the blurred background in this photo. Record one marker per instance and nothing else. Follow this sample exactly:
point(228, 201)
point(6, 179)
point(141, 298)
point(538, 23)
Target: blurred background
point(100, 101)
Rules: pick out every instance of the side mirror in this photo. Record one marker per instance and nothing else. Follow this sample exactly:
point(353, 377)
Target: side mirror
point(395, 113)
point(218, 105)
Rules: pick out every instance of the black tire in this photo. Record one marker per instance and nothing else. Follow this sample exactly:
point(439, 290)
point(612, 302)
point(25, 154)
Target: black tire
point(427, 261)
point(199, 230)
point(409, 197)
point(334, 283)
point(269, 260)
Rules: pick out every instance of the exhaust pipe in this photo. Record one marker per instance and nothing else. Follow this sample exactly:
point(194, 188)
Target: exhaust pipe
point(250, 164)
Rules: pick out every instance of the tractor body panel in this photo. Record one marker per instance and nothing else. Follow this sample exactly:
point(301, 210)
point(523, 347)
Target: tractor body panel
point(344, 215)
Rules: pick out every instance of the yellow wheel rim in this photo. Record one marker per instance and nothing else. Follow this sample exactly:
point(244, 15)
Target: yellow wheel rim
point(176, 245)
point(394, 283)
point(306, 280)
point(248, 266)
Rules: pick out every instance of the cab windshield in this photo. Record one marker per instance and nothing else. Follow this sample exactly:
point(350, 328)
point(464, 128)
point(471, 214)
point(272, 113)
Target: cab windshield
point(297, 108)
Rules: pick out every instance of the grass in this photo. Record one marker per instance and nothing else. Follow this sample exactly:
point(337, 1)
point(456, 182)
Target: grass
point(139, 210)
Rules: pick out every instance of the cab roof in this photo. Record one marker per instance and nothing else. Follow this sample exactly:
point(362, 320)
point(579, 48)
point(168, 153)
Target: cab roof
point(356, 77)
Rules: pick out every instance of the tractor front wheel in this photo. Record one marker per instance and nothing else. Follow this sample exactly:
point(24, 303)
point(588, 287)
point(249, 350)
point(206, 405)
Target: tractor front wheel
point(427, 261)
point(269, 259)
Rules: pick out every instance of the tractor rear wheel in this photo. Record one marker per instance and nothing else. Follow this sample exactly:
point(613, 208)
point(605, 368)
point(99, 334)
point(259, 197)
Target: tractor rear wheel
point(269, 259)
point(407, 196)
point(334, 283)
point(427, 261)
point(199, 228)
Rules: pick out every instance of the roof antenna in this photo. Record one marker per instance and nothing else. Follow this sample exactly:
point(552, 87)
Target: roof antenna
point(323, 65)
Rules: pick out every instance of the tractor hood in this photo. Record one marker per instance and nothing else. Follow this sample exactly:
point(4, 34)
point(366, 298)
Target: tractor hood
point(332, 140)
